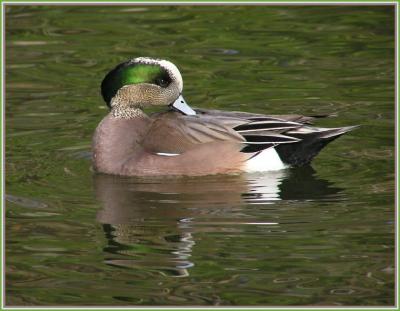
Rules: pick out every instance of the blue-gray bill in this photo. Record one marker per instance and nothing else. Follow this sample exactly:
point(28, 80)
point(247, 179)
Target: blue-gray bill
point(181, 105)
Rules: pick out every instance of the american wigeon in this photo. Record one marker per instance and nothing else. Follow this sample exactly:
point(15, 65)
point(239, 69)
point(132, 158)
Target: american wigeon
point(186, 141)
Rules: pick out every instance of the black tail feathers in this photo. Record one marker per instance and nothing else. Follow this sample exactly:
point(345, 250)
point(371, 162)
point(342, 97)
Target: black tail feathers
point(302, 152)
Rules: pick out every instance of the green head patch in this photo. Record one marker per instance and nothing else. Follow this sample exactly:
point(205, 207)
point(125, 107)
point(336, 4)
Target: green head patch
point(132, 73)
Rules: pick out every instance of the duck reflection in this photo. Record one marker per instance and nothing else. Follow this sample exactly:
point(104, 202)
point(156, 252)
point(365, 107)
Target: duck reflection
point(150, 222)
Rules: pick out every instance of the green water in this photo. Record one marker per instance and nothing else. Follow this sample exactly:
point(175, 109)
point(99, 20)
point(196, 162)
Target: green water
point(321, 235)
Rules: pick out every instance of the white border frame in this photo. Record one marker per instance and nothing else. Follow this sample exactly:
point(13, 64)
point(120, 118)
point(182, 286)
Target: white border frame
point(196, 3)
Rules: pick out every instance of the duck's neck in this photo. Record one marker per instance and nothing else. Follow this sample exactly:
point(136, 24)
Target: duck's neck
point(124, 112)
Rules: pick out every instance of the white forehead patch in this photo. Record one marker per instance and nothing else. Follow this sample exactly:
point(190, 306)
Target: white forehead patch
point(168, 66)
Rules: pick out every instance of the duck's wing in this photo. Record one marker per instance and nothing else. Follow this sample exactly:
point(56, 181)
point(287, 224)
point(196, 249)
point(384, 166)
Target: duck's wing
point(292, 136)
point(257, 116)
point(174, 133)
point(306, 140)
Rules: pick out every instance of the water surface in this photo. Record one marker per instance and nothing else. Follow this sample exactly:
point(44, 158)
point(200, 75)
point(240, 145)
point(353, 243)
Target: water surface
point(320, 235)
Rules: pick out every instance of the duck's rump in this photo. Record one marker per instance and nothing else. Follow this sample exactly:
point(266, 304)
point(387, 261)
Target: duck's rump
point(296, 141)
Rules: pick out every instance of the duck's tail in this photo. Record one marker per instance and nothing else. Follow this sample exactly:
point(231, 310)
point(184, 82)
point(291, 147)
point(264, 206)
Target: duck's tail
point(312, 140)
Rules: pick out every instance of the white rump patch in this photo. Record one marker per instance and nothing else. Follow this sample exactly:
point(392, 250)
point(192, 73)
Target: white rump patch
point(166, 154)
point(266, 160)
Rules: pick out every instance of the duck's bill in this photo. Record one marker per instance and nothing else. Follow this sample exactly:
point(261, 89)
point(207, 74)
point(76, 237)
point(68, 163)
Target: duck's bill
point(181, 106)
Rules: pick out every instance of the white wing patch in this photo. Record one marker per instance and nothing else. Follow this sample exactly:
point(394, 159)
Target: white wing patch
point(166, 154)
point(266, 160)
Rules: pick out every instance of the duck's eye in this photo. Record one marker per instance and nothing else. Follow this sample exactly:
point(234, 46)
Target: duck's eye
point(162, 82)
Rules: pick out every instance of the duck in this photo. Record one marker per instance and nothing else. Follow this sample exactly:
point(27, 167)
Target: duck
point(185, 141)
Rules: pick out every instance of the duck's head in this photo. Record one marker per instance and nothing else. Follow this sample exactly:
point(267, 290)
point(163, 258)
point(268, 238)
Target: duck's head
point(143, 82)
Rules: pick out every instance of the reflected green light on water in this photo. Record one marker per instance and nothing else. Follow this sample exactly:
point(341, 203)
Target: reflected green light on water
point(312, 236)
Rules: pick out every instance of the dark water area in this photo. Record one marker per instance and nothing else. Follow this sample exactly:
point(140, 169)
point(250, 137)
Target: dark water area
point(321, 235)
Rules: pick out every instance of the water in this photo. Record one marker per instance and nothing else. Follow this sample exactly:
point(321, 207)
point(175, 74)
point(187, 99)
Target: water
point(320, 235)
